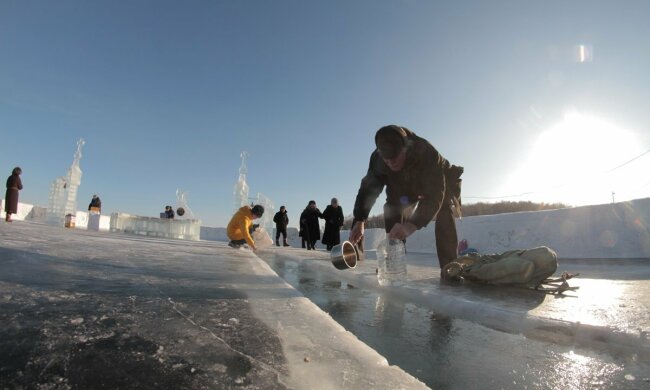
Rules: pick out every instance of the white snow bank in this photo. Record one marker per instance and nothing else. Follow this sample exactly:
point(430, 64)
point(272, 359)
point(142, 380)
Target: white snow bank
point(617, 230)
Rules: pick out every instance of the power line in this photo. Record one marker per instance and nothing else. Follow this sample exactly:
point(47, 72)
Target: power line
point(625, 163)
point(560, 186)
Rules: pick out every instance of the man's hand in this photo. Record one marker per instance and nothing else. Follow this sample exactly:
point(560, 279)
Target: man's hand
point(402, 230)
point(357, 232)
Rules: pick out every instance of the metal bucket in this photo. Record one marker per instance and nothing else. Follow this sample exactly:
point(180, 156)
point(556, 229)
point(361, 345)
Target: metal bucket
point(344, 255)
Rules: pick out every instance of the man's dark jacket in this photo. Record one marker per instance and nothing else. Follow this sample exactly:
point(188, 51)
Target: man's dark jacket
point(309, 224)
point(281, 220)
point(422, 179)
point(333, 221)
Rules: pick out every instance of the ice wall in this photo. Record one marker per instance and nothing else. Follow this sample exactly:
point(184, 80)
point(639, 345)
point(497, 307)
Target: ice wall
point(182, 229)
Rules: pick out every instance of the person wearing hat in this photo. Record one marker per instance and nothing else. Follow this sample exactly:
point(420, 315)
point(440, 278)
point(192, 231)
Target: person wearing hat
point(281, 221)
point(421, 185)
point(333, 216)
point(241, 226)
point(14, 184)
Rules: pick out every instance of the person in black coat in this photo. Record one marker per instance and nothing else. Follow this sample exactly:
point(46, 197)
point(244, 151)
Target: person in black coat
point(281, 221)
point(309, 226)
point(333, 216)
point(169, 212)
point(14, 184)
point(96, 203)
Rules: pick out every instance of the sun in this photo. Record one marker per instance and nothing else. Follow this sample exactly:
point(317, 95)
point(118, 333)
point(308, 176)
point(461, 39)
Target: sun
point(573, 162)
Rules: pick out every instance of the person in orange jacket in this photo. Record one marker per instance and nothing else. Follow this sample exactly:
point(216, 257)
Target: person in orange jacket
point(241, 226)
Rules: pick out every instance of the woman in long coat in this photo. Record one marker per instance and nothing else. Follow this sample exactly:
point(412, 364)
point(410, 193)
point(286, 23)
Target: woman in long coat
point(333, 216)
point(309, 224)
point(11, 196)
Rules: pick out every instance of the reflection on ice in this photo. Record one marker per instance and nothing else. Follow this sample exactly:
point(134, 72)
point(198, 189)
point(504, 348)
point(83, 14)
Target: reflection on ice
point(450, 348)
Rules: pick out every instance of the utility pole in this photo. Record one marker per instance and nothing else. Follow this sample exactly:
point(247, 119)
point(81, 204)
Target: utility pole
point(613, 200)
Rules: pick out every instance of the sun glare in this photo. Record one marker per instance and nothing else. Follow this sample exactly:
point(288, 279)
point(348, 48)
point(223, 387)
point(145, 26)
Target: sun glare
point(572, 162)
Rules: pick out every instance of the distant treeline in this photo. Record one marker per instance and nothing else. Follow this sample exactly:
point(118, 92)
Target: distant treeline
point(472, 209)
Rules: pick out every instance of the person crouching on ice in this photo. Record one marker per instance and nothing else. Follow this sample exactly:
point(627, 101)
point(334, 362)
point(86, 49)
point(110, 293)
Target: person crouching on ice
point(241, 226)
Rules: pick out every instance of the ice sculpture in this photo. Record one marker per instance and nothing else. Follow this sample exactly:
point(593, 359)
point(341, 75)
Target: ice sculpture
point(240, 197)
point(181, 229)
point(269, 211)
point(183, 211)
point(240, 191)
point(63, 191)
point(56, 202)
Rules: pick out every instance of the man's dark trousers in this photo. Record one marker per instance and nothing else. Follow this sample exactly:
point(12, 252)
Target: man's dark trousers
point(277, 235)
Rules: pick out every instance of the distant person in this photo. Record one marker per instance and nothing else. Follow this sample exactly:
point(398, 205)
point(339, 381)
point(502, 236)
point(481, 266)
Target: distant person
point(333, 216)
point(309, 224)
point(414, 174)
point(169, 212)
point(241, 226)
point(281, 220)
point(14, 184)
point(95, 204)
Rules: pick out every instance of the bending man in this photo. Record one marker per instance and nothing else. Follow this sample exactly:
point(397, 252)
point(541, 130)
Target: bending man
point(420, 184)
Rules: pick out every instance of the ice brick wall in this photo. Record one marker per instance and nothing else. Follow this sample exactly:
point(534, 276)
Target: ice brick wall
point(182, 229)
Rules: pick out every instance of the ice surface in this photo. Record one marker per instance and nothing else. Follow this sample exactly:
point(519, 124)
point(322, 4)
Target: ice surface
point(180, 296)
point(477, 335)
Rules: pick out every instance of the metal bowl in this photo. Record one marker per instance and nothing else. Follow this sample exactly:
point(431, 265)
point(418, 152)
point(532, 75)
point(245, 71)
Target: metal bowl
point(344, 255)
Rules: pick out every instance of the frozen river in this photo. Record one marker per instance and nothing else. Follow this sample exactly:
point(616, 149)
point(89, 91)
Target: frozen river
point(460, 337)
point(93, 310)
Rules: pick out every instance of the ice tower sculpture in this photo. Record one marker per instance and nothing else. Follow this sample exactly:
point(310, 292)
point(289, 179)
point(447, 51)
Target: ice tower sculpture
point(56, 202)
point(63, 191)
point(240, 191)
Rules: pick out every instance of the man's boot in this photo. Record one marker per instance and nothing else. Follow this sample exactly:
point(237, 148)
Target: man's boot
point(285, 243)
point(277, 243)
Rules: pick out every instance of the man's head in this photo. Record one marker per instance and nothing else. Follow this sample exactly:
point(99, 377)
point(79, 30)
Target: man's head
point(282, 209)
point(391, 142)
point(312, 204)
point(257, 211)
point(334, 202)
point(17, 171)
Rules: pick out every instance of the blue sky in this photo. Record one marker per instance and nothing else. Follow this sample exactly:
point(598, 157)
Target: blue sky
point(167, 94)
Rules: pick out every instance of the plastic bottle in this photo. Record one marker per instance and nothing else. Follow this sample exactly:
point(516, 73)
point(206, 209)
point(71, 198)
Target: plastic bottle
point(391, 259)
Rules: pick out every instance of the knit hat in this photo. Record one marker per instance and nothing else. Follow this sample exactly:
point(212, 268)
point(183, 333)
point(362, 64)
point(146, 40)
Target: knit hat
point(390, 141)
